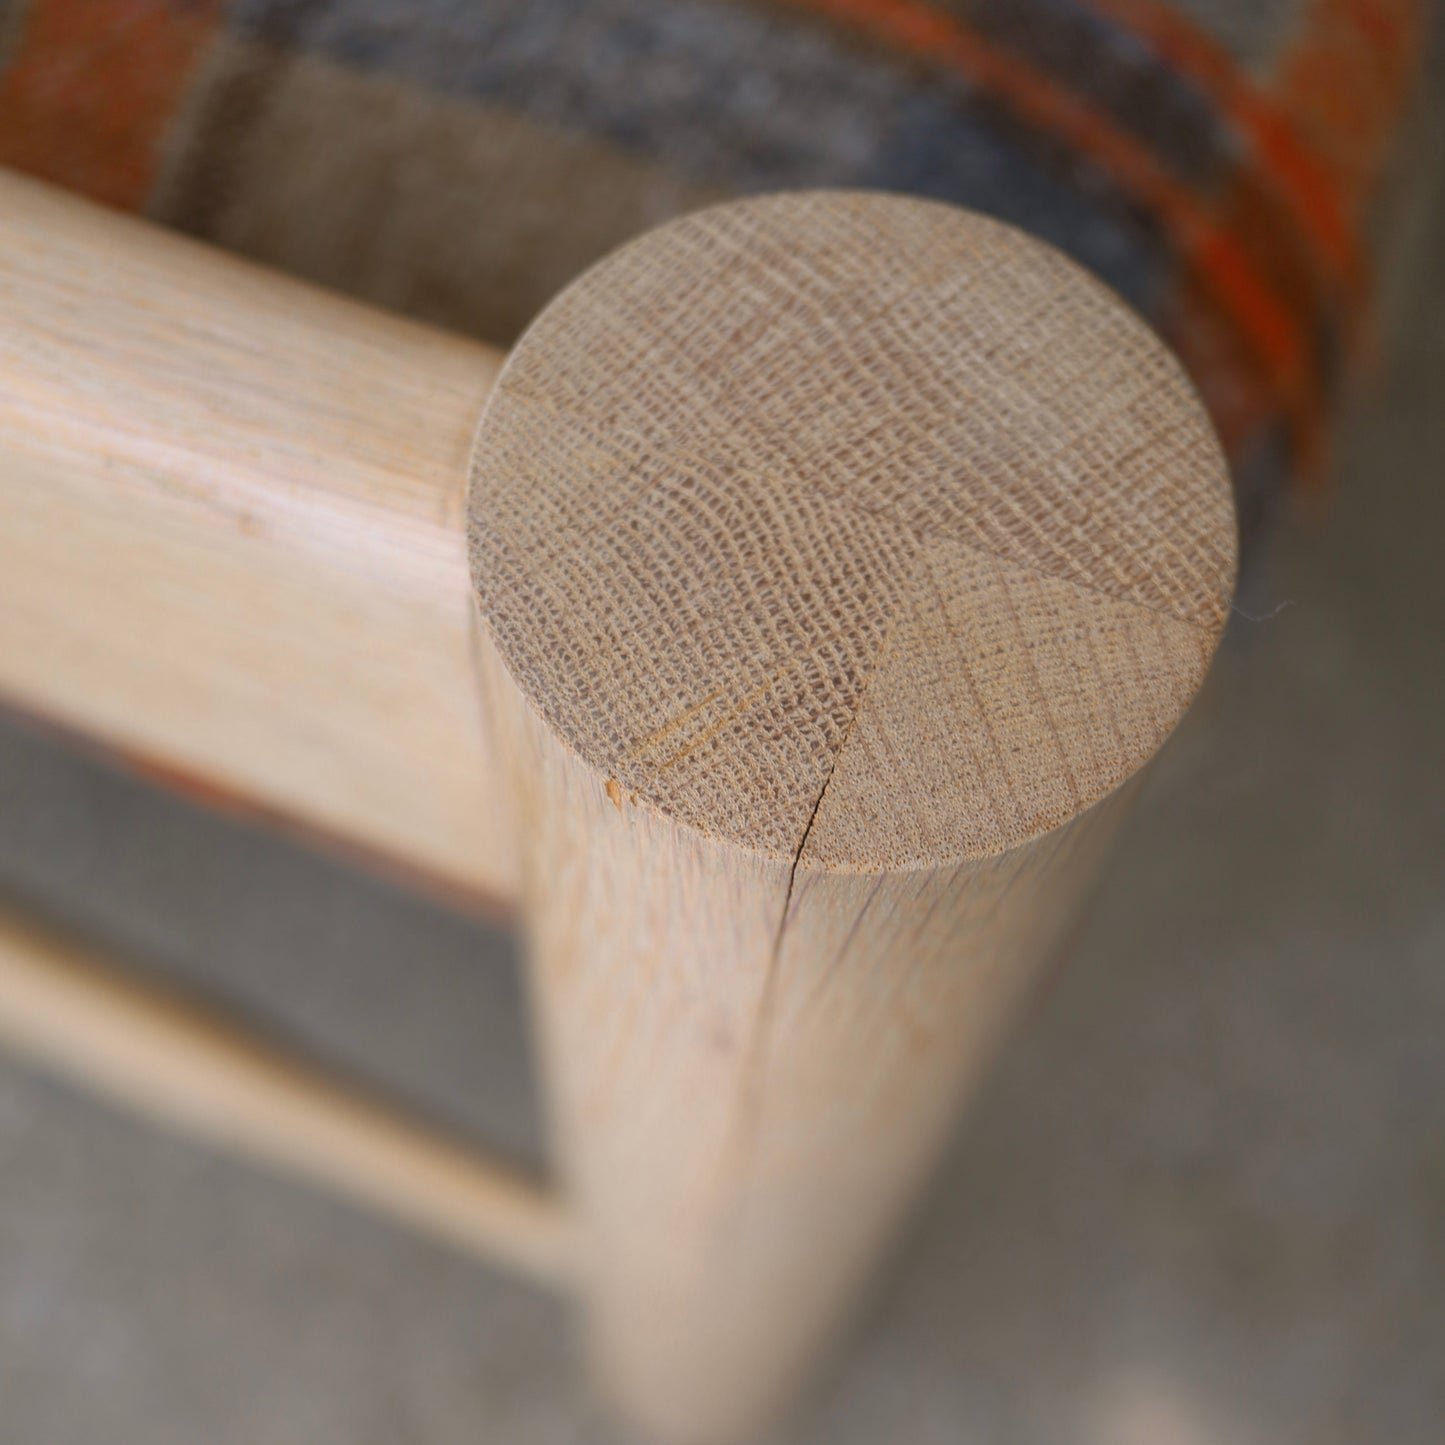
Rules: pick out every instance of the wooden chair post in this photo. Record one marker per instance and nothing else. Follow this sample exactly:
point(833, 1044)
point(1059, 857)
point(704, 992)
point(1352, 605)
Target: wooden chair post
point(839, 560)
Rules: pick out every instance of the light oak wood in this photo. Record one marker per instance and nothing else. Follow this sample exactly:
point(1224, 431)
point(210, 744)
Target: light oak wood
point(840, 561)
point(71, 1011)
point(231, 541)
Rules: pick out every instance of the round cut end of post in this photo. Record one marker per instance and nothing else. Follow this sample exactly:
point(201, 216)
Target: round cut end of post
point(851, 528)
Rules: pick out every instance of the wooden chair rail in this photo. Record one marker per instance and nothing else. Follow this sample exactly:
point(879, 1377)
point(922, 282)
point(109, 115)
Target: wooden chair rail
point(70, 1009)
point(231, 556)
point(833, 566)
point(231, 537)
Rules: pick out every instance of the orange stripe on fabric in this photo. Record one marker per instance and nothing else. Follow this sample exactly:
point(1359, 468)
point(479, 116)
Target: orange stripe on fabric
point(1309, 186)
point(92, 87)
point(1346, 83)
point(1221, 262)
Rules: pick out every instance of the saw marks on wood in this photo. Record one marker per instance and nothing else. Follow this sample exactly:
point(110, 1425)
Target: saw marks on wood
point(851, 528)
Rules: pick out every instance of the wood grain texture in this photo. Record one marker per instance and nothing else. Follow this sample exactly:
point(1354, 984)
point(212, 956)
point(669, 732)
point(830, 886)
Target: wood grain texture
point(230, 535)
point(840, 560)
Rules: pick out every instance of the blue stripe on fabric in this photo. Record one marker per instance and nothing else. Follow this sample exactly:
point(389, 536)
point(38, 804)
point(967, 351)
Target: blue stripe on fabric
point(728, 95)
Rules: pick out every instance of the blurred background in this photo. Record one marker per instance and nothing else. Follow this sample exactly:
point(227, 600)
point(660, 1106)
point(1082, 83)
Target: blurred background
point(1201, 1199)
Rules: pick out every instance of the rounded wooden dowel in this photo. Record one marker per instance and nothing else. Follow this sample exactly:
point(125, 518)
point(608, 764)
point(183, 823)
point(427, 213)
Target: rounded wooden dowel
point(231, 543)
point(67, 1007)
point(840, 558)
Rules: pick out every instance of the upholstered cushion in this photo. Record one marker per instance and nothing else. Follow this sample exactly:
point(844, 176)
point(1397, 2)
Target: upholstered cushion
point(1217, 161)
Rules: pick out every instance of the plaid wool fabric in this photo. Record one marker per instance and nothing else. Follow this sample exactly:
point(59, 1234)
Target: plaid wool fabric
point(1218, 162)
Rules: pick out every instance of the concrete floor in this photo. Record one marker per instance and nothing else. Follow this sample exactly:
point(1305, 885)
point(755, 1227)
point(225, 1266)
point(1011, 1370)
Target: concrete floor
point(1201, 1200)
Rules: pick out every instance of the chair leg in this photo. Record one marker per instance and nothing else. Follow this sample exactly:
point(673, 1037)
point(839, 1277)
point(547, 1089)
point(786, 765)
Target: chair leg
point(840, 560)
point(752, 1067)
